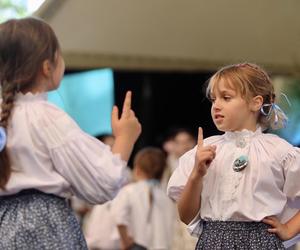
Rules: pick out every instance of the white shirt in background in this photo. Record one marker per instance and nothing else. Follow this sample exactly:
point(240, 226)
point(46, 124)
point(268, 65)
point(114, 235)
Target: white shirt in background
point(151, 227)
point(101, 230)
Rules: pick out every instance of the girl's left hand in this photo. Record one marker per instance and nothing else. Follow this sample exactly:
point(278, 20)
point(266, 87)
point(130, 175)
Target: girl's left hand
point(278, 228)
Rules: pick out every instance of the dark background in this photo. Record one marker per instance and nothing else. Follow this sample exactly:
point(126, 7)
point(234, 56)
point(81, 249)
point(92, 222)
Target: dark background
point(163, 101)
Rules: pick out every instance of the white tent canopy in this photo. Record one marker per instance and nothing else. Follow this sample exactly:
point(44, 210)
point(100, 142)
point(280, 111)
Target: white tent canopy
point(175, 34)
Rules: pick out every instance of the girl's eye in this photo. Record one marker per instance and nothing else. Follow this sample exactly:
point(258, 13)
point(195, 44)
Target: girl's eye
point(212, 99)
point(227, 98)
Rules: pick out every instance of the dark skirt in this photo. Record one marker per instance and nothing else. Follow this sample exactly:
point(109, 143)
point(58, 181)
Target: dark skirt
point(231, 235)
point(37, 221)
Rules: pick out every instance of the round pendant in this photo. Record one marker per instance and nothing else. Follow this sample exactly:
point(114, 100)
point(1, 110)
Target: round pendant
point(240, 163)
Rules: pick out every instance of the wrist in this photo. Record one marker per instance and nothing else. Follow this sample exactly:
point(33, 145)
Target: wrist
point(291, 232)
point(197, 175)
point(125, 138)
point(196, 178)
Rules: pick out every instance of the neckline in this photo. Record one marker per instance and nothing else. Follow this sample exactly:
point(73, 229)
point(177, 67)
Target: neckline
point(245, 133)
point(29, 97)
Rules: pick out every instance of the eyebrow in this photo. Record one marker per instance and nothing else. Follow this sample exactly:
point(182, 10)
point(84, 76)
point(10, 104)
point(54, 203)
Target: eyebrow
point(224, 92)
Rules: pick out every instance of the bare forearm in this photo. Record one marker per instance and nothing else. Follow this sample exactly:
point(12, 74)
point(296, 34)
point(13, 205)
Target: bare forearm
point(294, 225)
point(123, 146)
point(126, 240)
point(190, 200)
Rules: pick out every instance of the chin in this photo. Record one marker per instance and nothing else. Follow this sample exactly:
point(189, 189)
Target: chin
point(53, 88)
point(222, 128)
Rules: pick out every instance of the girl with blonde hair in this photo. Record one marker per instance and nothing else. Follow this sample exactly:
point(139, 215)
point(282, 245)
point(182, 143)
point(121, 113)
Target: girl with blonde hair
point(240, 190)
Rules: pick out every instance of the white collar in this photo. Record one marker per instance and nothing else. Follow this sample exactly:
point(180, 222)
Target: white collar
point(29, 97)
point(241, 138)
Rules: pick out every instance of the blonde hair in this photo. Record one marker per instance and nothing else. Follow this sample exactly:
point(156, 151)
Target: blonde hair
point(250, 80)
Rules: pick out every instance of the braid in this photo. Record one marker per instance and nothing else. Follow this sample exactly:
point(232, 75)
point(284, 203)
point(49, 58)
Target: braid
point(8, 95)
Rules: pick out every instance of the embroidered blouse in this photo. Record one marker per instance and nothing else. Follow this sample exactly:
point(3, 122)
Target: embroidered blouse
point(49, 152)
point(269, 185)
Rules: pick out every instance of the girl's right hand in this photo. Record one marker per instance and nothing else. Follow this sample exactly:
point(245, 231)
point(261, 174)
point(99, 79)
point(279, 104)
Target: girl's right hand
point(127, 126)
point(204, 156)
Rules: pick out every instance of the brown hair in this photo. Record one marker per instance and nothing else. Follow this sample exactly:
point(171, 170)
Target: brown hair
point(249, 80)
point(24, 45)
point(152, 161)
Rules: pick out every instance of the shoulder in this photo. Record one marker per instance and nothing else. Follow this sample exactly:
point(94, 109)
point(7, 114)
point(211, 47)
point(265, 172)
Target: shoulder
point(51, 116)
point(275, 146)
point(274, 141)
point(216, 139)
point(42, 116)
point(54, 126)
point(129, 188)
point(53, 111)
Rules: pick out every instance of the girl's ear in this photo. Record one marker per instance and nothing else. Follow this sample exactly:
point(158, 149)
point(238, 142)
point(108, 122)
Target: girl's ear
point(256, 103)
point(47, 68)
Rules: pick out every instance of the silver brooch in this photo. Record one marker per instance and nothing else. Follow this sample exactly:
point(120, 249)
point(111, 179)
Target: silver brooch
point(240, 163)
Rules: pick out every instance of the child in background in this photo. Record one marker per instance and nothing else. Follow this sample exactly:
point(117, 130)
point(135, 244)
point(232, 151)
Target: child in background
point(240, 190)
point(141, 210)
point(99, 227)
point(44, 156)
point(179, 142)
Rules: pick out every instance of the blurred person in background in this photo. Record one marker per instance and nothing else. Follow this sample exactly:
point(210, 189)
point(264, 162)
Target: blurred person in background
point(142, 210)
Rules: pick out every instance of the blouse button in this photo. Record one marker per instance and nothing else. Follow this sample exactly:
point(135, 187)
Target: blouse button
point(240, 142)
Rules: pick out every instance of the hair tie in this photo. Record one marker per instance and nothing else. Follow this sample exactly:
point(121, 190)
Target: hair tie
point(279, 115)
point(3, 138)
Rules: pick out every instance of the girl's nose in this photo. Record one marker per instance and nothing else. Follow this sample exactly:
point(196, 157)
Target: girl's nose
point(216, 105)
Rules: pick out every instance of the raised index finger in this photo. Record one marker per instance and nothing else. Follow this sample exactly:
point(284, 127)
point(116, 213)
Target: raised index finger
point(127, 104)
point(200, 137)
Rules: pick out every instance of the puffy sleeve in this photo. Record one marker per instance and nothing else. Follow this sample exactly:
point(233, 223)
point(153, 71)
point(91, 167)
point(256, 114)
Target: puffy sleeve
point(121, 207)
point(181, 174)
point(94, 173)
point(291, 167)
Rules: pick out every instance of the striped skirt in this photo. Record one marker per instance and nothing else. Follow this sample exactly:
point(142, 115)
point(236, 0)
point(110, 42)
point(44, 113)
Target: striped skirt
point(37, 221)
point(232, 235)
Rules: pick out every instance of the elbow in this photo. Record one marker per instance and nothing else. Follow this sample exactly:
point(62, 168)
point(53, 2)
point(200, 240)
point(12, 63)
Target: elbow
point(185, 219)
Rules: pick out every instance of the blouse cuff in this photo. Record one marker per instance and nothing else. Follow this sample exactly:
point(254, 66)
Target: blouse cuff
point(195, 227)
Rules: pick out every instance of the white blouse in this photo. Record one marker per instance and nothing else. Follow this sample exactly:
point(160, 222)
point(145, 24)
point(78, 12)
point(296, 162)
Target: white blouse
point(49, 152)
point(150, 226)
point(269, 185)
point(101, 231)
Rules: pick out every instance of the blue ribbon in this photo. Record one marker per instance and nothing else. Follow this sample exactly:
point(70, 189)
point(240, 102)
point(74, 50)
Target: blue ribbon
point(3, 138)
point(278, 112)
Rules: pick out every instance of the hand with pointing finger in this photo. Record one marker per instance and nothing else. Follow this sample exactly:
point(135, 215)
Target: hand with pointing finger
point(126, 129)
point(204, 156)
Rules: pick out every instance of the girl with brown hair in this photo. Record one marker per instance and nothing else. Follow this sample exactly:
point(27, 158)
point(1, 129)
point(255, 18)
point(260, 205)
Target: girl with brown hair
point(44, 156)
